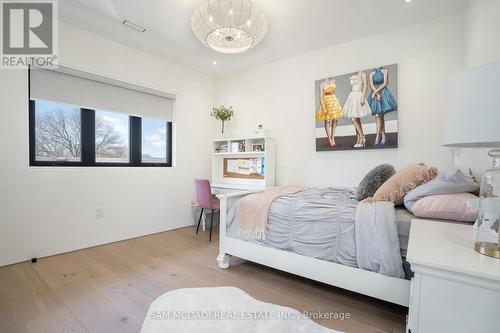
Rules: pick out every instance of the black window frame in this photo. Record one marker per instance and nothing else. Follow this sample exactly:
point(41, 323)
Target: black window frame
point(88, 158)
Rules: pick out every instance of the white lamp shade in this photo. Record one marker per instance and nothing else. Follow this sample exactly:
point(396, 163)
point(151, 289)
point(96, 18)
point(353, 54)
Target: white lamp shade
point(472, 116)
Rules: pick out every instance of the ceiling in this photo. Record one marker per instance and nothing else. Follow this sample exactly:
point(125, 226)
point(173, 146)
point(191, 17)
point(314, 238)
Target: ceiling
point(295, 26)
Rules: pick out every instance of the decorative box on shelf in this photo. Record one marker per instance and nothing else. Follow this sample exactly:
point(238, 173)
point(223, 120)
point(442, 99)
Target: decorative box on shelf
point(261, 132)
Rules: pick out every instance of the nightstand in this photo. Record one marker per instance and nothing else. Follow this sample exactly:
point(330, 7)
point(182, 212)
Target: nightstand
point(454, 288)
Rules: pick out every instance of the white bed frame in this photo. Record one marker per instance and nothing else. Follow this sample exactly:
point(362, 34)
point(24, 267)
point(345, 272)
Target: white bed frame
point(365, 282)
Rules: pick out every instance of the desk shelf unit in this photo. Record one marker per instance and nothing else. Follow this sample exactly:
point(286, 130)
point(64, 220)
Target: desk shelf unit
point(257, 151)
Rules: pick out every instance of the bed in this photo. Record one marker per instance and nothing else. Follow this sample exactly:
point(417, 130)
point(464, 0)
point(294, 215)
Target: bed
point(323, 251)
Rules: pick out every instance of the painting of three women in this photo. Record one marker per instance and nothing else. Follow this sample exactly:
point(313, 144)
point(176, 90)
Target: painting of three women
point(358, 110)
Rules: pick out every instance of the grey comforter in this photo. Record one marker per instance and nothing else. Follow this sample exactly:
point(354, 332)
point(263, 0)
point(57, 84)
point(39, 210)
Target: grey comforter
point(322, 223)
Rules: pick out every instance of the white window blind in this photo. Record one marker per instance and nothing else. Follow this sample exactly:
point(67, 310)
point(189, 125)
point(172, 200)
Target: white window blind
point(99, 93)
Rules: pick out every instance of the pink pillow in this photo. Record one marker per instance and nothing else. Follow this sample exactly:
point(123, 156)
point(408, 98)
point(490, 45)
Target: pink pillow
point(446, 207)
point(405, 180)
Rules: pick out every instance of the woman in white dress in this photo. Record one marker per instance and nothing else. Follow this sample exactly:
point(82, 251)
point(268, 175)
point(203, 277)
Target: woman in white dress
point(357, 106)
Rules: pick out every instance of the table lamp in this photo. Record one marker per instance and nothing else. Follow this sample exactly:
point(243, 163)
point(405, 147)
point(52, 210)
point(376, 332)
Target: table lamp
point(472, 120)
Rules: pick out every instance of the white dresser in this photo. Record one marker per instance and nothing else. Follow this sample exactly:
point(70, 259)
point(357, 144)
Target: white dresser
point(454, 288)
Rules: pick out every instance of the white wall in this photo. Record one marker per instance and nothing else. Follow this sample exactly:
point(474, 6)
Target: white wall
point(44, 211)
point(482, 37)
point(482, 46)
point(280, 95)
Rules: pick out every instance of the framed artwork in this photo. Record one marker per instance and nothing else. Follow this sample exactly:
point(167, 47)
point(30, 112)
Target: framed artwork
point(358, 110)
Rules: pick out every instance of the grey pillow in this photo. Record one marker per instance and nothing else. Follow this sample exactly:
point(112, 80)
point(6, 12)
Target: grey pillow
point(373, 180)
point(445, 183)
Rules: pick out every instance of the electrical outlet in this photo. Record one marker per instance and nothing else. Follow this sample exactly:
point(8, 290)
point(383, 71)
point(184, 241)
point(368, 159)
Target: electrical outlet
point(99, 213)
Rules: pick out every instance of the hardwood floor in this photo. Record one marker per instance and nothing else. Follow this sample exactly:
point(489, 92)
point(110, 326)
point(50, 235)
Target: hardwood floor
point(109, 288)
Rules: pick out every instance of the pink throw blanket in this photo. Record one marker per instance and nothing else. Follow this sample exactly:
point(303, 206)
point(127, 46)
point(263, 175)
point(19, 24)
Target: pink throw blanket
point(254, 210)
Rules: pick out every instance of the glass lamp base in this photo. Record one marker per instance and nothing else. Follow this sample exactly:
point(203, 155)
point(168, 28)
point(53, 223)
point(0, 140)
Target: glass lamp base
point(488, 249)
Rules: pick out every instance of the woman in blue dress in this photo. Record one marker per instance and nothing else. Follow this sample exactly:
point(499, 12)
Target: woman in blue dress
point(381, 101)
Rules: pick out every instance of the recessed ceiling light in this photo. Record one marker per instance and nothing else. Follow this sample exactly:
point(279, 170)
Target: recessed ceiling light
point(214, 63)
point(407, 1)
point(133, 26)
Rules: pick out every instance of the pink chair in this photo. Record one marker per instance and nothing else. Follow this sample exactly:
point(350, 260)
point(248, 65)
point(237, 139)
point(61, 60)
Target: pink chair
point(205, 201)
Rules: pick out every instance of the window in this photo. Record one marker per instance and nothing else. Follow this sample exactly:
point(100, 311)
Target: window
point(68, 135)
point(85, 119)
point(154, 141)
point(112, 137)
point(57, 132)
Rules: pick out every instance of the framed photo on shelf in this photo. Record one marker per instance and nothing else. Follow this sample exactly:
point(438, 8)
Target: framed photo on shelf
point(258, 147)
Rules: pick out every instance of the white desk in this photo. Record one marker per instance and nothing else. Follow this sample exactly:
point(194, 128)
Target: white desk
point(229, 188)
point(226, 189)
point(455, 289)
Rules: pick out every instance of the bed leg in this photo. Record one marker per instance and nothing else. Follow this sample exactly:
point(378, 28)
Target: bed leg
point(223, 260)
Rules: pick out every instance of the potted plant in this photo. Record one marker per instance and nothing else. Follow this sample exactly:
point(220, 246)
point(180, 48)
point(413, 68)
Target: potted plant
point(222, 113)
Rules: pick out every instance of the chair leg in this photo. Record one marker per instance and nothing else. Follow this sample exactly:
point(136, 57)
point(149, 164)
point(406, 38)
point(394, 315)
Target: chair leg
point(199, 220)
point(211, 224)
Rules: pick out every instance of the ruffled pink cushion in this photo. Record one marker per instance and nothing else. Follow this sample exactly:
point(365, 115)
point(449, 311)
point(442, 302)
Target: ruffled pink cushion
point(405, 180)
point(446, 207)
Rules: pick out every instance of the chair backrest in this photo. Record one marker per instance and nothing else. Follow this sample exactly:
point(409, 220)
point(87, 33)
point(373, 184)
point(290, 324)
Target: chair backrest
point(203, 192)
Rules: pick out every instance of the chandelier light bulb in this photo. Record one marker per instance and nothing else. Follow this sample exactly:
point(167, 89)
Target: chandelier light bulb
point(229, 26)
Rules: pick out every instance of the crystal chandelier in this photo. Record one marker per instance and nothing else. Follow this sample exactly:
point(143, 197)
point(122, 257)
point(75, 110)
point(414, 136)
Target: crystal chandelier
point(229, 26)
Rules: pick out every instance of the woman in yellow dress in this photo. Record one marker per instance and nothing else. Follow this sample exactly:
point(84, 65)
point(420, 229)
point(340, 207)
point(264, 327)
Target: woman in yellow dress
point(330, 109)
